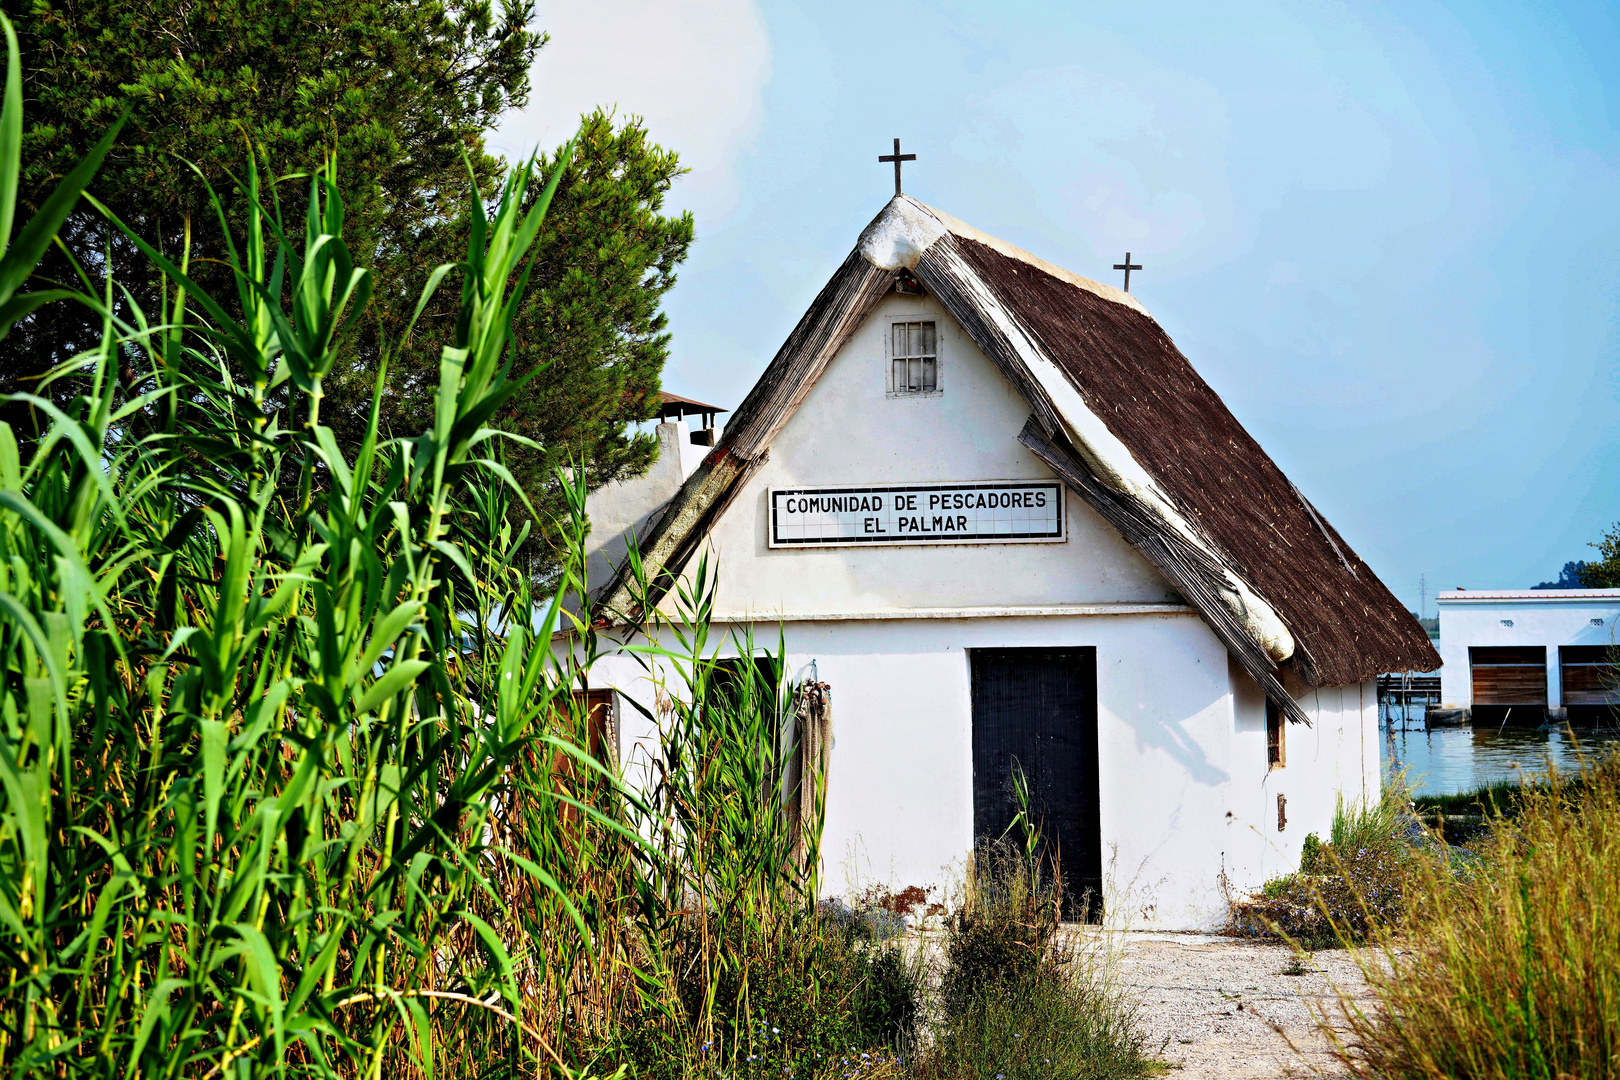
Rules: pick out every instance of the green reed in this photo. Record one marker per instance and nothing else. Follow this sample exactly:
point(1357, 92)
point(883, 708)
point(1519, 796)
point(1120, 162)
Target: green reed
point(294, 776)
point(260, 697)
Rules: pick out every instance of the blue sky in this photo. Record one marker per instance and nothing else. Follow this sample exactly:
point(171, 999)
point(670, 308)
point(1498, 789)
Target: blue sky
point(1388, 235)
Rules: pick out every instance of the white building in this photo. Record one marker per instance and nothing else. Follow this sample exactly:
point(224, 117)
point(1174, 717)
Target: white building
point(1517, 656)
point(1004, 519)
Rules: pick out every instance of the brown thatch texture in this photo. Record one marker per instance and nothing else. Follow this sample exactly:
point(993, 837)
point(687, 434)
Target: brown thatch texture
point(1346, 625)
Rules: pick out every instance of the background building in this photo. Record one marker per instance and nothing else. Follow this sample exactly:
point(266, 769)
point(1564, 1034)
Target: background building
point(1522, 656)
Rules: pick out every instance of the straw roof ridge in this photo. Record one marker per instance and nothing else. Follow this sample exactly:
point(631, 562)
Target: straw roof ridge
point(964, 231)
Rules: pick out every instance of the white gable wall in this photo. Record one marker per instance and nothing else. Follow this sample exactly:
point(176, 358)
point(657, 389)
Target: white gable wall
point(848, 431)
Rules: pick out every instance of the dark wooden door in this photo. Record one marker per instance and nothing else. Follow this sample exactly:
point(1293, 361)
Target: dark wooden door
point(1038, 707)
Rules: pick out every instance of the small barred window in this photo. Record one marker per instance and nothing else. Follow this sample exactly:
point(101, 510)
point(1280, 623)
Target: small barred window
point(913, 358)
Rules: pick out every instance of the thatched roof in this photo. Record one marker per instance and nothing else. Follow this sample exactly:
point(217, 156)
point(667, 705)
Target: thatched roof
point(1121, 415)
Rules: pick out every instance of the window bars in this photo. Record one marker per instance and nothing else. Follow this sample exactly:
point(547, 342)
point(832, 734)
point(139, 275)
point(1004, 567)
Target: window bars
point(914, 357)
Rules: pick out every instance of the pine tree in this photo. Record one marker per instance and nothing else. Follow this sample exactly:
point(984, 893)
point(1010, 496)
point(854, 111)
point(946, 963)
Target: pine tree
point(590, 329)
point(401, 94)
point(397, 91)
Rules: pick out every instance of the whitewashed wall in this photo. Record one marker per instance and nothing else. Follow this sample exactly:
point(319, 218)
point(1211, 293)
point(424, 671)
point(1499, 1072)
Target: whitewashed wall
point(1557, 617)
point(622, 510)
point(1185, 792)
point(1335, 758)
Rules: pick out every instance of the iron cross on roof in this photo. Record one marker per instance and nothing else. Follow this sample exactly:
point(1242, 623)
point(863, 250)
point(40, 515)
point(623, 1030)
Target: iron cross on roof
point(897, 157)
point(1127, 266)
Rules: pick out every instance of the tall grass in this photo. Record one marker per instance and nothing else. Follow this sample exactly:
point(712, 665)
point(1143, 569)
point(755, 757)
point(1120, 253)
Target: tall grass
point(1345, 890)
point(293, 780)
point(256, 710)
point(754, 980)
point(1509, 965)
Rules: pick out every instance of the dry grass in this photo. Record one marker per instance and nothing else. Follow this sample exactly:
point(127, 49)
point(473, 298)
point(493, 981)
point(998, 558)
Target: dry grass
point(1507, 966)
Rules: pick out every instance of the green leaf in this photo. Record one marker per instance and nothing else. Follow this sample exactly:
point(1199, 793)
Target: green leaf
point(385, 633)
point(259, 961)
point(154, 1009)
point(11, 117)
point(422, 1029)
point(492, 942)
point(89, 454)
point(214, 733)
point(11, 609)
point(21, 257)
point(396, 680)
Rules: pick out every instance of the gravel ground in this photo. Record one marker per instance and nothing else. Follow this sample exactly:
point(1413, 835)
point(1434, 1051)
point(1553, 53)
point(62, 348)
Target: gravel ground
point(1211, 1001)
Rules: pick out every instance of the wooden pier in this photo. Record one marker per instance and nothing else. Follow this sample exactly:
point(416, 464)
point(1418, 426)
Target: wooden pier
point(1405, 689)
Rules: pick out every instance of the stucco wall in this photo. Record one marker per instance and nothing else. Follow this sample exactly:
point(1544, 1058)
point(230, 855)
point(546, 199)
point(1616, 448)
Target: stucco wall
point(1336, 757)
point(1548, 622)
point(1184, 789)
point(849, 431)
point(618, 511)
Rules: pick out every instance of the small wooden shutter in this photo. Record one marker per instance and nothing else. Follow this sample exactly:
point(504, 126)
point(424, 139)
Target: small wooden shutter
point(601, 724)
point(1276, 737)
point(1589, 674)
point(1512, 675)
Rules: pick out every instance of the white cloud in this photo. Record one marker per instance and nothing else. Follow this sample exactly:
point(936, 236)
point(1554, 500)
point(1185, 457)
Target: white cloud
point(695, 70)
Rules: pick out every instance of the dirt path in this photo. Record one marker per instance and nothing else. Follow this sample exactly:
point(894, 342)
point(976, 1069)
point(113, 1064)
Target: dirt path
point(1211, 998)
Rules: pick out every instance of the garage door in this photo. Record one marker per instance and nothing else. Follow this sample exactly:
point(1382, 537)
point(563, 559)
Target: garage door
point(1590, 675)
point(1509, 676)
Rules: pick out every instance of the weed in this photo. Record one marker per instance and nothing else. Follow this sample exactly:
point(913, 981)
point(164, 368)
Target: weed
point(1276, 888)
point(1018, 1002)
point(1056, 1025)
point(1003, 930)
point(1347, 887)
point(1310, 854)
point(1511, 968)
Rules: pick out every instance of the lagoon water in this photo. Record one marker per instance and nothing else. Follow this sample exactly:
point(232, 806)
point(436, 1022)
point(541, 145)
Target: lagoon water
point(1448, 760)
